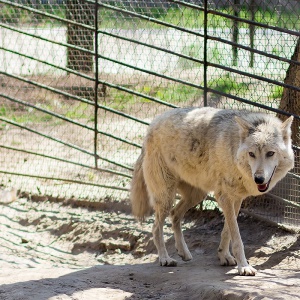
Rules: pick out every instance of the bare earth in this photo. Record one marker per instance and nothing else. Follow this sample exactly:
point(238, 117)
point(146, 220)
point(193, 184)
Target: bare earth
point(55, 251)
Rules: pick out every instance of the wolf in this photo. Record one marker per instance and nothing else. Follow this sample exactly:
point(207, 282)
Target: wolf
point(194, 151)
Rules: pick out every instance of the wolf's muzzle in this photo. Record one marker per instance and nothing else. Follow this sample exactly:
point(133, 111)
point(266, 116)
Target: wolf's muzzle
point(263, 187)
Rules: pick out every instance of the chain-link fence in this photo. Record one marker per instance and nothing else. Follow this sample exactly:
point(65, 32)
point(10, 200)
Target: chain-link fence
point(81, 80)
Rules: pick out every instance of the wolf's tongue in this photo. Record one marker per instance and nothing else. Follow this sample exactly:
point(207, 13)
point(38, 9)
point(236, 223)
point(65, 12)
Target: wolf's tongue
point(262, 187)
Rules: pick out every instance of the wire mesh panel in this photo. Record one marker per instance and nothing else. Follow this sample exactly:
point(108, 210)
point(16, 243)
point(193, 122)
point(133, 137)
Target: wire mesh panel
point(47, 101)
point(247, 40)
point(250, 48)
point(80, 82)
point(143, 51)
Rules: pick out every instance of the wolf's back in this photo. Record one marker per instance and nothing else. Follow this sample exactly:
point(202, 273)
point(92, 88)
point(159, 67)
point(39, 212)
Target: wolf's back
point(140, 202)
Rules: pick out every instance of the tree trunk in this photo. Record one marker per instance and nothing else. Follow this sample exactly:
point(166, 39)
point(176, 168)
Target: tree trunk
point(290, 101)
point(81, 12)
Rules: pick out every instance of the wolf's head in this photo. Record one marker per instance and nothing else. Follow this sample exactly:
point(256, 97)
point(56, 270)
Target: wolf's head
point(265, 150)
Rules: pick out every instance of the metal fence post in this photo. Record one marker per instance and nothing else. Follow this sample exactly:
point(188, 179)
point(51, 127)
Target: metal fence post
point(96, 85)
point(205, 55)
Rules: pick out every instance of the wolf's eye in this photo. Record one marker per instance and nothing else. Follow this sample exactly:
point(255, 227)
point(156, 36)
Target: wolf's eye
point(270, 153)
point(251, 154)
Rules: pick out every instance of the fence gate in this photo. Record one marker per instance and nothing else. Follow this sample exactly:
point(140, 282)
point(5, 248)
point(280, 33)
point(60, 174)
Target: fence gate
point(81, 80)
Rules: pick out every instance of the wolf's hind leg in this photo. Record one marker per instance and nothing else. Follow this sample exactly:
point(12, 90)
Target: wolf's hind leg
point(162, 210)
point(190, 197)
point(161, 186)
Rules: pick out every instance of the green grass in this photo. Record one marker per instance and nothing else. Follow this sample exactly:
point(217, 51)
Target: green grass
point(173, 93)
point(24, 115)
point(75, 111)
point(194, 50)
point(178, 93)
point(79, 111)
point(228, 84)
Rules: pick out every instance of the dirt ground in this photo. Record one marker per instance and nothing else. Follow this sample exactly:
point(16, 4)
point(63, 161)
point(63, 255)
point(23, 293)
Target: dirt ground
point(56, 251)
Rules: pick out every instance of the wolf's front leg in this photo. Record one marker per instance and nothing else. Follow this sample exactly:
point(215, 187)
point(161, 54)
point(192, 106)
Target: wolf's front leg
point(226, 259)
point(230, 209)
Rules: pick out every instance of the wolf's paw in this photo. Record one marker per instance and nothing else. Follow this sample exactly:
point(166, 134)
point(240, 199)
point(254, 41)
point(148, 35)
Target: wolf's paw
point(167, 262)
point(226, 259)
point(247, 271)
point(185, 254)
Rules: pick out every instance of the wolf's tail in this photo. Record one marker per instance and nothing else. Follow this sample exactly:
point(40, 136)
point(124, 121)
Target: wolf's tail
point(140, 202)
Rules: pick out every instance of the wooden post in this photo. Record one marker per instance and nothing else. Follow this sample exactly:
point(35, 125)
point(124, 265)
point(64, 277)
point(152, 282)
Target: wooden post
point(235, 32)
point(251, 31)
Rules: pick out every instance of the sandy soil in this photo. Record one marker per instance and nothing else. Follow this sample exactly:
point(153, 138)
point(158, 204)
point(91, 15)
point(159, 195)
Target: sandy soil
point(57, 251)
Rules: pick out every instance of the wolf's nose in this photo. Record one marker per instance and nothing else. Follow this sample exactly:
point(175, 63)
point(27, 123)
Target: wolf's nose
point(259, 179)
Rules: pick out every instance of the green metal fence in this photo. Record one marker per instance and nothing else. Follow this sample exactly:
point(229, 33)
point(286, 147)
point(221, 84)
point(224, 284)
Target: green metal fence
point(81, 80)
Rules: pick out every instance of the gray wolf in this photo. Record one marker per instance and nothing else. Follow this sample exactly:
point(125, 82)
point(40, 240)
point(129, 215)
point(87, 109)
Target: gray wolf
point(193, 151)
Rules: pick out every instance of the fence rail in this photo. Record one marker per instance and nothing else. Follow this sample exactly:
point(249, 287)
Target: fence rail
point(81, 80)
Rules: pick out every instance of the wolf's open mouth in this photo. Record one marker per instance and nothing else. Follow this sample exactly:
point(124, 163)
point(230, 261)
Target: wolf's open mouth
point(264, 187)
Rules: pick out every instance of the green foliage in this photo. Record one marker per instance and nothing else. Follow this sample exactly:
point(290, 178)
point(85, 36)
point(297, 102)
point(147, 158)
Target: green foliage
point(284, 19)
point(184, 17)
point(276, 92)
point(15, 15)
point(10, 14)
point(179, 16)
point(152, 12)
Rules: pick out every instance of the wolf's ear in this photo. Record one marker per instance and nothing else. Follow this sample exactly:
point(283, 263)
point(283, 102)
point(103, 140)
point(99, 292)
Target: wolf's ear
point(245, 127)
point(286, 128)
